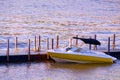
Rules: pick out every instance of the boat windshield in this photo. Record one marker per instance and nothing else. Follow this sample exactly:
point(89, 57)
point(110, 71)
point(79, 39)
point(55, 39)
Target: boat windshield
point(73, 49)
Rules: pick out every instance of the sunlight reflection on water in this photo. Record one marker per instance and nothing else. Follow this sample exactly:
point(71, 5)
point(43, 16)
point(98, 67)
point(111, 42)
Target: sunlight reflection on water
point(48, 19)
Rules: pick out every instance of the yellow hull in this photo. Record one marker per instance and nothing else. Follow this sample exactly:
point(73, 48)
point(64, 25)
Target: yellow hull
point(80, 58)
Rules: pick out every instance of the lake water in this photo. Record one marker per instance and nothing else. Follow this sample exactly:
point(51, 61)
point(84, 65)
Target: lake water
point(29, 18)
point(59, 71)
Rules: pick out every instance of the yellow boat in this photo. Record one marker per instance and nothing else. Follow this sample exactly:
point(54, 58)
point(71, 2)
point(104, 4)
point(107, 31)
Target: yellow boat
point(80, 55)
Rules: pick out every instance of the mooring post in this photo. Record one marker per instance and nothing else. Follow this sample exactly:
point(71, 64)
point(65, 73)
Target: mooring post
point(16, 41)
point(76, 42)
point(47, 47)
point(113, 46)
point(95, 46)
point(108, 45)
point(57, 41)
point(52, 43)
point(70, 42)
point(90, 45)
point(47, 44)
point(35, 44)
point(8, 50)
point(39, 45)
point(29, 50)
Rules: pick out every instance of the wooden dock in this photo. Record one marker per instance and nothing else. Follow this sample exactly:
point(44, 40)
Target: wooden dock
point(23, 58)
point(114, 53)
point(42, 56)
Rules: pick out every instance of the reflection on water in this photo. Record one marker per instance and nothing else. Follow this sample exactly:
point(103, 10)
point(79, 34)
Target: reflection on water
point(75, 66)
point(59, 71)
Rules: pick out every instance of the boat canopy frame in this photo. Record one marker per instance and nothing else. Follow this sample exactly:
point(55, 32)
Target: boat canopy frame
point(89, 40)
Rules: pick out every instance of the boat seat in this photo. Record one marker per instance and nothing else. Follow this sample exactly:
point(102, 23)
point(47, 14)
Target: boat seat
point(67, 49)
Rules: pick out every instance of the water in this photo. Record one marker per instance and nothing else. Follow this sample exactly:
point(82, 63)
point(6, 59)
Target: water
point(49, 18)
point(66, 18)
point(59, 71)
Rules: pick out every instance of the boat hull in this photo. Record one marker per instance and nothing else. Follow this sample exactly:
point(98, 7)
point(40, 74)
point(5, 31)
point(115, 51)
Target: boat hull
point(63, 57)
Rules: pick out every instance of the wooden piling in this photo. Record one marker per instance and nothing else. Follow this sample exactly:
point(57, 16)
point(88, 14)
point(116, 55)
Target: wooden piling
point(47, 44)
point(35, 44)
point(47, 47)
point(52, 43)
point(95, 46)
point(39, 45)
point(16, 41)
point(8, 50)
point(108, 45)
point(57, 41)
point(29, 50)
point(70, 42)
point(113, 45)
point(90, 45)
point(76, 42)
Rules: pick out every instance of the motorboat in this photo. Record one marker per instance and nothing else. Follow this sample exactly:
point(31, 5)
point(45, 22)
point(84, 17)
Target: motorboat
point(80, 55)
